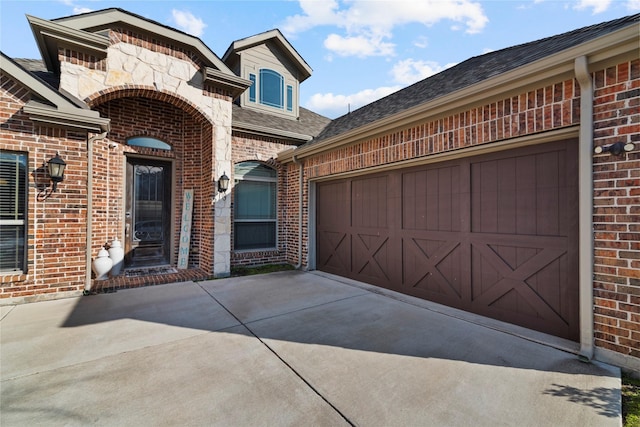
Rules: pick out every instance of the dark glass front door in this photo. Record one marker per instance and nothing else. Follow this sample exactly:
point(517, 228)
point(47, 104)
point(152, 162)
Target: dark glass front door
point(148, 212)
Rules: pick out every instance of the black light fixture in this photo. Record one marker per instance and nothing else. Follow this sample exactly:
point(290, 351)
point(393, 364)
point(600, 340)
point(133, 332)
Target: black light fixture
point(223, 183)
point(56, 167)
point(615, 149)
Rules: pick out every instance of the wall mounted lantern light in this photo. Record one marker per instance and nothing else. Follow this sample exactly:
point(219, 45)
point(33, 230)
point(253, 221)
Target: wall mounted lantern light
point(56, 166)
point(223, 183)
point(615, 149)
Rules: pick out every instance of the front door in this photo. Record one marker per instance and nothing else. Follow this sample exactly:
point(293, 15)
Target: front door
point(148, 213)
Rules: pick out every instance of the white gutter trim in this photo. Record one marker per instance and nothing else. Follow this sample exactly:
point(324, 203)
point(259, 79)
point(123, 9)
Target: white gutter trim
point(90, 141)
point(585, 207)
point(618, 44)
point(300, 203)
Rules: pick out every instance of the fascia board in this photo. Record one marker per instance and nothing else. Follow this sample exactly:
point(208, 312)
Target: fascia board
point(75, 119)
point(45, 31)
point(235, 84)
point(555, 66)
point(39, 88)
point(110, 16)
point(243, 44)
point(266, 131)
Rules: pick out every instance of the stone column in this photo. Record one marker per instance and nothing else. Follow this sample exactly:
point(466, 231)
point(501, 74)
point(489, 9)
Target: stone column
point(222, 164)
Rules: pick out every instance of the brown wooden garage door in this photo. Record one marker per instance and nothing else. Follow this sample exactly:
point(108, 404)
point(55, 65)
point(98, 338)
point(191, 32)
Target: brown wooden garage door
point(494, 234)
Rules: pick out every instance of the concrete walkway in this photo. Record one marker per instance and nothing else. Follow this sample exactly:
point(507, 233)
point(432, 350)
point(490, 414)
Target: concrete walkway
point(283, 349)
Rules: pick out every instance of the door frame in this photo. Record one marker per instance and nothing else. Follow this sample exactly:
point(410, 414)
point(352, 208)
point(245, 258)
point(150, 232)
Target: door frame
point(171, 244)
point(584, 218)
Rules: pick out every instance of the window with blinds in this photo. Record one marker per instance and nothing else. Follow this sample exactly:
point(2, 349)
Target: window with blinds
point(13, 211)
point(254, 207)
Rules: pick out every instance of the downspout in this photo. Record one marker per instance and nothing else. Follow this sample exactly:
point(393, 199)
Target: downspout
point(90, 141)
point(585, 207)
point(300, 200)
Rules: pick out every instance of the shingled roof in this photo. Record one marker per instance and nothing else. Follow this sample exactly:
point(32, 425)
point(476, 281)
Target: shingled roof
point(308, 125)
point(467, 73)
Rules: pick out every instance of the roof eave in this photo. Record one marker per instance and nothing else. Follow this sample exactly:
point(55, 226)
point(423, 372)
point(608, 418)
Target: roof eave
point(257, 39)
point(104, 18)
point(236, 85)
point(70, 119)
point(49, 35)
point(270, 132)
point(617, 45)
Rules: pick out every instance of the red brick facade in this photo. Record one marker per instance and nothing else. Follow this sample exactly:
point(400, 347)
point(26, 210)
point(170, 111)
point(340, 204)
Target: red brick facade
point(616, 178)
point(57, 225)
point(617, 210)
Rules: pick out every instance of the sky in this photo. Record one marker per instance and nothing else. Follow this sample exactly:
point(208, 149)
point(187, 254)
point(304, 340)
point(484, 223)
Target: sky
point(359, 50)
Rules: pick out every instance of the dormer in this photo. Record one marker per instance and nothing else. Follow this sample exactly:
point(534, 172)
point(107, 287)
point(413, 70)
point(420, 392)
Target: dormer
point(275, 69)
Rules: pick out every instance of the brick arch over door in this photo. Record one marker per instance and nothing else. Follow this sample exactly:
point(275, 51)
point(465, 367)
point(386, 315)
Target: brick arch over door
point(135, 112)
point(138, 91)
point(494, 234)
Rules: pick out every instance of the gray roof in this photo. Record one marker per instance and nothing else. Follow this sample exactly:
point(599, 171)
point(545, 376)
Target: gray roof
point(309, 123)
point(467, 73)
point(38, 69)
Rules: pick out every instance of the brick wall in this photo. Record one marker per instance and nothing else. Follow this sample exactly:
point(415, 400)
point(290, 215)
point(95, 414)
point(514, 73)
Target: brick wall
point(247, 147)
point(151, 114)
point(617, 210)
point(56, 222)
point(616, 179)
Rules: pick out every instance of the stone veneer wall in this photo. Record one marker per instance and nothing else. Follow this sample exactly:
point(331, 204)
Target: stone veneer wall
point(137, 66)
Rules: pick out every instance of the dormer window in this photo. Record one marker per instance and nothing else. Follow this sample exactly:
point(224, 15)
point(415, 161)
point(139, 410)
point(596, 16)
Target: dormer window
point(268, 88)
point(271, 88)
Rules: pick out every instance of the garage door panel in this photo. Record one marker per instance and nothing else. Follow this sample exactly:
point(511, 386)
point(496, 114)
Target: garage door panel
point(334, 252)
point(431, 199)
point(371, 257)
point(433, 266)
point(494, 234)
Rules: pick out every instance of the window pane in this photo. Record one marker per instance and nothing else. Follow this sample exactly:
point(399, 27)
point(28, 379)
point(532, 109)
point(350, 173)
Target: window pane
point(252, 88)
point(254, 235)
point(247, 170)
point(290, 98)
point(13, 184)
point(143, 141)
point(11, 247)
point(271, 88)
point(255, 200)
point(13, 204)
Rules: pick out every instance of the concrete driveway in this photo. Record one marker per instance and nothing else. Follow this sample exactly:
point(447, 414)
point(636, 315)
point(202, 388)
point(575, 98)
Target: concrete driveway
point(284, 349)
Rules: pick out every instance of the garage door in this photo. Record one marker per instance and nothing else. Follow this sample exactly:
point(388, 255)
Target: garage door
point(495, 234)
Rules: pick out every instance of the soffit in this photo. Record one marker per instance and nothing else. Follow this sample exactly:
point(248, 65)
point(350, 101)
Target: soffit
point(52, 107)
point(90, 25)
point(269, 36)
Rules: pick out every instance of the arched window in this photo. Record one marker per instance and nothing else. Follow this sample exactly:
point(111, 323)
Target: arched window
point(254, 207)
point(148, 142)
point(271, 88)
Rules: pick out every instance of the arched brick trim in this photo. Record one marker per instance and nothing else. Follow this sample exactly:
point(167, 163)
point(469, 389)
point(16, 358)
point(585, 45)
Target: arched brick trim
point(140, 91)
point(272, 163)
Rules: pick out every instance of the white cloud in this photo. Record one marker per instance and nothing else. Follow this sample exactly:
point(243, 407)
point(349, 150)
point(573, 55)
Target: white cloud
point(358, 46)
point(188, 23)
point(633, 5)
point(598, 6)
point(375, 20)
point(410, 71)
point(329, 103)
point(78, 10)
point(422, 42)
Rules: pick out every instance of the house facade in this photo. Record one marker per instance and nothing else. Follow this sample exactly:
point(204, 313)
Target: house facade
point(507, 186)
